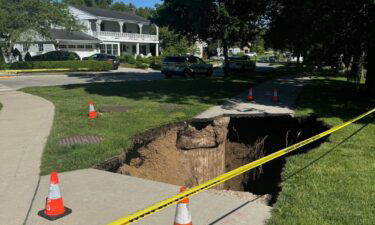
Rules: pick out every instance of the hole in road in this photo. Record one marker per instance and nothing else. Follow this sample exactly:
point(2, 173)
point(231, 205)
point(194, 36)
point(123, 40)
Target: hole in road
point(190, 153)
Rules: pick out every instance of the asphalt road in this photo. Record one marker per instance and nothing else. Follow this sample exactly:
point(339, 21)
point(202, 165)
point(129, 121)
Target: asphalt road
point(123, 74)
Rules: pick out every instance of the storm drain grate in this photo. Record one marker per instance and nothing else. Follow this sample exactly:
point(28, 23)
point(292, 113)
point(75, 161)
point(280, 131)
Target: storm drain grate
point(80, 140)
point(109, 109)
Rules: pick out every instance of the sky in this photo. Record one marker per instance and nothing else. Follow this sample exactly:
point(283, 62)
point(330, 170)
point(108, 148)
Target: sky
point(141, 3)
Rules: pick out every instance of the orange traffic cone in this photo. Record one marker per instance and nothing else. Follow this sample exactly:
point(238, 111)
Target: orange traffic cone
point(275, 97)
point(250, 96)
point(92, 112)
point(54, 203)
point(183, 216)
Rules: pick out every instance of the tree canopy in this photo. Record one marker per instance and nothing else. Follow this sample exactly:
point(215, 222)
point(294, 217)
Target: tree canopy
point(332, 33)
point(230, 21)
point(18, 16)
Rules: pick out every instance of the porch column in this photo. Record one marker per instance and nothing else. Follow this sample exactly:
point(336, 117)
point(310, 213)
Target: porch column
point(157, 49)
point(140, 28)
point(157, 31)
point(121, 26)
point(137, 49)
point(98, 22)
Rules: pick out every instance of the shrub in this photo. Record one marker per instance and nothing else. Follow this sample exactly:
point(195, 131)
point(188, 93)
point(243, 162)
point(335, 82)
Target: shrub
point(143, 59)
point(155, 62)
point(127, 59)
point(141, 65)
point(71, 65)
point(28, 57)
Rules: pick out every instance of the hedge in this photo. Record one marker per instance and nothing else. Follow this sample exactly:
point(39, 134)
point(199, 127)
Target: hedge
point(70, 64)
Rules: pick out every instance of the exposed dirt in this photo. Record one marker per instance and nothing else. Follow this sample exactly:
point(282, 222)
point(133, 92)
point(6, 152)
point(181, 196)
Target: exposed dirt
point(190, 153)
point(159, 161)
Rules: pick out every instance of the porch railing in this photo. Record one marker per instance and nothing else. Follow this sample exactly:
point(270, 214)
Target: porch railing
point(127, 36)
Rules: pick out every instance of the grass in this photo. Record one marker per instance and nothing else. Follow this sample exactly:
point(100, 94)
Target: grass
point(334, 183)
point(151, 104)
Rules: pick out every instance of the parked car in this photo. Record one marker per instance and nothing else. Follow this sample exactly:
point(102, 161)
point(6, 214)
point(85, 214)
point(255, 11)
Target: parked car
point(273, 59)
point(241, 63)
point(56, 56)
point(185, 65)
point(251, 54)
point(105, 57)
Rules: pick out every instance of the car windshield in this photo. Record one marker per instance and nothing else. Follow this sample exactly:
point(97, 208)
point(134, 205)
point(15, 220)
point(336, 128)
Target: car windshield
point(175, 59)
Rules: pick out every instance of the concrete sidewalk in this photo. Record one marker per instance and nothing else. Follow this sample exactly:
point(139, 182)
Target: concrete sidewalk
point(288, 91)
point(98, 197)
point(25, 122)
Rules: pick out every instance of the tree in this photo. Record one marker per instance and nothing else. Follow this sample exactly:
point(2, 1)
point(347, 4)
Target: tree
point(90, 3)
point(327, 32)
point(18, 16)
point(229, 21)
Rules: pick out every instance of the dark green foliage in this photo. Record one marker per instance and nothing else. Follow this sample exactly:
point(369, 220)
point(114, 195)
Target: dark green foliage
point(72, 65)
point(141, 65)
point(127, 59)
point(231, 22)
point(28, 57)
point(326, 33)
point(155, 62)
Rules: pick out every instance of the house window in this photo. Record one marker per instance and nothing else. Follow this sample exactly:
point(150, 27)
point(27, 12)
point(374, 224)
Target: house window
point(102, 48)
point(115, 49)
point(102, 27)
point(81, 46)
point(40, 48)
point(62, 46)
point(25, 47)
point(109, 49)
point(88, 46)
point(71, 46)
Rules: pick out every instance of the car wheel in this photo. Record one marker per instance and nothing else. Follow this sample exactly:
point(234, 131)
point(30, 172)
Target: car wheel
point(210, 72)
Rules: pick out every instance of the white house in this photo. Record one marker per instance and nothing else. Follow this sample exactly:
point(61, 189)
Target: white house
point(106, 31)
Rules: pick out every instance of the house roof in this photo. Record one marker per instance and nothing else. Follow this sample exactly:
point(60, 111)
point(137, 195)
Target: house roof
point(78, 36)
point(112, 14)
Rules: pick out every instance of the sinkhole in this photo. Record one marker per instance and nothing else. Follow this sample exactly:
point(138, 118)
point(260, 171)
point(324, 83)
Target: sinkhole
point(191, 152)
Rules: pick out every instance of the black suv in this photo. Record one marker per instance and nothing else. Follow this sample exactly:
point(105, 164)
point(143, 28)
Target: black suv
point(56, 56)
point(105, 57)
point(185, 65)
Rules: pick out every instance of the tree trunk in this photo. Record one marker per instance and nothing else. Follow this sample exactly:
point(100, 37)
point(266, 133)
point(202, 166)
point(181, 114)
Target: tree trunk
point(226, 61)
point(356, 71)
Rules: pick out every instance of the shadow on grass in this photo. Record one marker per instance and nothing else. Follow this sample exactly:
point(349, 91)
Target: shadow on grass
point(138, 86)
point(178, 91)
point(346, 103)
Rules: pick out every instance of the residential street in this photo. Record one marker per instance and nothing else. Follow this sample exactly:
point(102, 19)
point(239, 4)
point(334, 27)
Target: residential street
point(123, 74)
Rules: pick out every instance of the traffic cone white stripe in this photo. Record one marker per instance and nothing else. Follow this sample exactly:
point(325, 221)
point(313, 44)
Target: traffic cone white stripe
point(54, 191)
point(183, 215)
point(91, 108)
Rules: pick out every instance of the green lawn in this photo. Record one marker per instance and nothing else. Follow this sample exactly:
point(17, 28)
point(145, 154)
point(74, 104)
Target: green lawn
point(333, 184)
point(151, 104)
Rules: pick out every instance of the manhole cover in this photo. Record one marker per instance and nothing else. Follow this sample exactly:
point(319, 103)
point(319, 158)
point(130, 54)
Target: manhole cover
point(84, 139)
point(109, 109)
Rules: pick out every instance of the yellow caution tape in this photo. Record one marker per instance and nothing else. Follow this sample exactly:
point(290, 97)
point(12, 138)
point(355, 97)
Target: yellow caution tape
point(226, 176)
point(38, 70)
